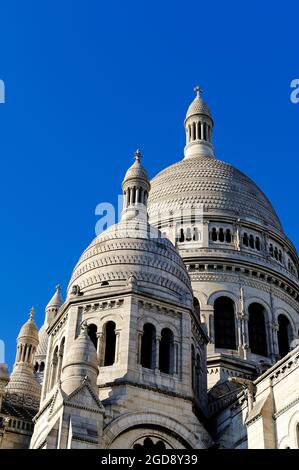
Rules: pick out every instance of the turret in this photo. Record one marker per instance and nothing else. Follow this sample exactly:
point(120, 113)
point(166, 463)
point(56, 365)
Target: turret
point(135, 187)
point(80, 363)
point(199, 126)
point(22, 380)
point(41, 352)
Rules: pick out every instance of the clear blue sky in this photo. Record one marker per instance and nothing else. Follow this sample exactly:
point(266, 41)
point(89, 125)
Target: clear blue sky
point(87, 82)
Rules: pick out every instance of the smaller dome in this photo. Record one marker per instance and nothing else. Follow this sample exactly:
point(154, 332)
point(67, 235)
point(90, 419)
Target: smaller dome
point(29, 328)
point(198, 106)
point(136, 170)
point(129, 249)
point(82, 351)
point(80, 362)
point(56, 301)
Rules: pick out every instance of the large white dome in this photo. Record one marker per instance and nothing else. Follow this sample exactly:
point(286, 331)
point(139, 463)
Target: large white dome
point(219, 187)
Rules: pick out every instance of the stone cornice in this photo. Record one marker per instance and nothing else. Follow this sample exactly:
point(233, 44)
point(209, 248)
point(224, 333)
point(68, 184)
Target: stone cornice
point(122, 382)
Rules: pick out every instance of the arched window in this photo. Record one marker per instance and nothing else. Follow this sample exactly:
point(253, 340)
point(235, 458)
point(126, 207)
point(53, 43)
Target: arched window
point(284, 335)
point(204, 131)
point(228, 236)
point(181, 238)
point(257, 244)
point(110, 342)
point(42, 367)
point(92, 333)
point(221, 235)
point(166, 351)
point(196, 306)
point(148, 346)
point(36, 367)
point(251, 241)
point(188, 235)
point(194, 131)
point(54, 366)
point(271, 249)
point(199, 130)
point(214, 234)
point(224, 323)
point(245, 239)
point(257, 329)
point(195, 234)
point(276, 253)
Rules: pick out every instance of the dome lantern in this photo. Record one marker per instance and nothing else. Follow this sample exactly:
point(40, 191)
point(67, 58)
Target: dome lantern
point(136, 188)
point(198, 125)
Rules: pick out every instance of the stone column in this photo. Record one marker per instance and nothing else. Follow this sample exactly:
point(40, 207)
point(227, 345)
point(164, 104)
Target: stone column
point(275, 328)
point(117, 335)
point(198, 131)
point(237, 241)
point(26, 358)
point(239, 333)
point(245, 335)
point(59, 366)
point(270, 342)
point(139, 344)
point(175, 357)
point(100, 348)
point(158, 339)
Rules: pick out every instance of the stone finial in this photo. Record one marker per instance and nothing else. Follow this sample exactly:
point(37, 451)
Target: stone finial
point(32, 313)
point(58, 288)
point(138, 155)
point(198, 90)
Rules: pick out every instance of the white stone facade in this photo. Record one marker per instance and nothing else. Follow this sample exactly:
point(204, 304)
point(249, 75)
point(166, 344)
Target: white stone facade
point(191, 297)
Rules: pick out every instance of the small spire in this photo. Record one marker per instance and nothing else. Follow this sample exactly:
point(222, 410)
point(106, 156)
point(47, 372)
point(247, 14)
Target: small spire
point(198, 91)
point(32, 313)
point(138, 155)
point(58, 288)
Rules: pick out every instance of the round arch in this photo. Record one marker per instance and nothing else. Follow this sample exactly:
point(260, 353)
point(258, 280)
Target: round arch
point(126, 422)
point(201, 297)
point(282, 311)
point(224, 293)
point(258, 300)
point(294, 431)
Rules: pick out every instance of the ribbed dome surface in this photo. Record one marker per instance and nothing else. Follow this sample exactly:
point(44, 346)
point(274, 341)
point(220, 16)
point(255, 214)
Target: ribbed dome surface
point(29, 329)
point(136, 171)
point(127, 251)
point(198, 106)
point(218, 186)
point(43, 339)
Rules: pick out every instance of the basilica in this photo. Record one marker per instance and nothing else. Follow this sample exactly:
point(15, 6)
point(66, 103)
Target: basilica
point(179, 328)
